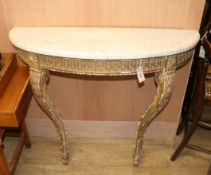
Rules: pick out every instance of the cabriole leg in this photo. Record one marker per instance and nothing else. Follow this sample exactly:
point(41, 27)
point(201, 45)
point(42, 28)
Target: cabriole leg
point(38, 79)
point(164, 81)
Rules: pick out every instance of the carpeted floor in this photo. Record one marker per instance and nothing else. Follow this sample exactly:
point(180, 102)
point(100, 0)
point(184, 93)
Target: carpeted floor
point(101, 156)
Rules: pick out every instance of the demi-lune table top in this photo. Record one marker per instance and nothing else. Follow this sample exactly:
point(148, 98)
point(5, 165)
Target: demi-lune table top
point(99, 51)
point(103, 43)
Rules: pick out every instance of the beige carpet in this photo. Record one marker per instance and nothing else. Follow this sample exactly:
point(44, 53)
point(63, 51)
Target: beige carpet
point(111, 157)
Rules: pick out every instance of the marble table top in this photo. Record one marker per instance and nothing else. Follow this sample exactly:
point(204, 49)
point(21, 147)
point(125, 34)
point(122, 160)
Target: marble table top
point(103, 43)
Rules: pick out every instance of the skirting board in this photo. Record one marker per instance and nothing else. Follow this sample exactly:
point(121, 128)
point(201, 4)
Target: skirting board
point(107, 129)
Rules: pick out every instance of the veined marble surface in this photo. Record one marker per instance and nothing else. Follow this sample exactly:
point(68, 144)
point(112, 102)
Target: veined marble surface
point(103, 43)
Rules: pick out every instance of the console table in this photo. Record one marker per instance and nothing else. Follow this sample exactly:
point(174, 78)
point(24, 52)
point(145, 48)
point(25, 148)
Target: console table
point(98, 51)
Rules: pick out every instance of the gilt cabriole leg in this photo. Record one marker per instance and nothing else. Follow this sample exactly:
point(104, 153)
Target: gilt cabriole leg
point(38, 79)
point(164, 80)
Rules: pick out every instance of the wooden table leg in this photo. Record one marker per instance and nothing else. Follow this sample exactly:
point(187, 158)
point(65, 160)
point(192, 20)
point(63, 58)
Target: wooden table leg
point(27, 139)
point(4, 168)
point(209, 170)
point(164, 80)
point(38, 79)
point(197, 110)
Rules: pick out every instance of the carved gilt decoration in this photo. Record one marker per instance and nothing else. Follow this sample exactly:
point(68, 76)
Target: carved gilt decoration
point(163, 67)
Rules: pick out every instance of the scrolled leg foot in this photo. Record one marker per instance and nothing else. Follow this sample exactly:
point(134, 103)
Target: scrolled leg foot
point(137, 158)
point(65, 158)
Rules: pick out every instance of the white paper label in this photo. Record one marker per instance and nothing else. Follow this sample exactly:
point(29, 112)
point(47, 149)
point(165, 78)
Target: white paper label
point(140, 75)
point(202, 52)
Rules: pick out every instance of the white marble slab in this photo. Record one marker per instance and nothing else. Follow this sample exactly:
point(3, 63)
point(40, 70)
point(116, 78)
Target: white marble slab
point(103, 43)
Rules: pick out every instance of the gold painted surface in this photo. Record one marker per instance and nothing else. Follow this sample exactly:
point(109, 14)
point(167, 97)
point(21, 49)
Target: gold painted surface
point(101, 67)
point(164, 80)
point(163, 67)
point(38, 79)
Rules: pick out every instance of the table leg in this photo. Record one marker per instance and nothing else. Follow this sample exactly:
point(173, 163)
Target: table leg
point(164, 80)
point(38, 79)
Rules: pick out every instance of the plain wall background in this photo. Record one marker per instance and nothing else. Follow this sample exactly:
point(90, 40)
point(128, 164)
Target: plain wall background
point(102, 99)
